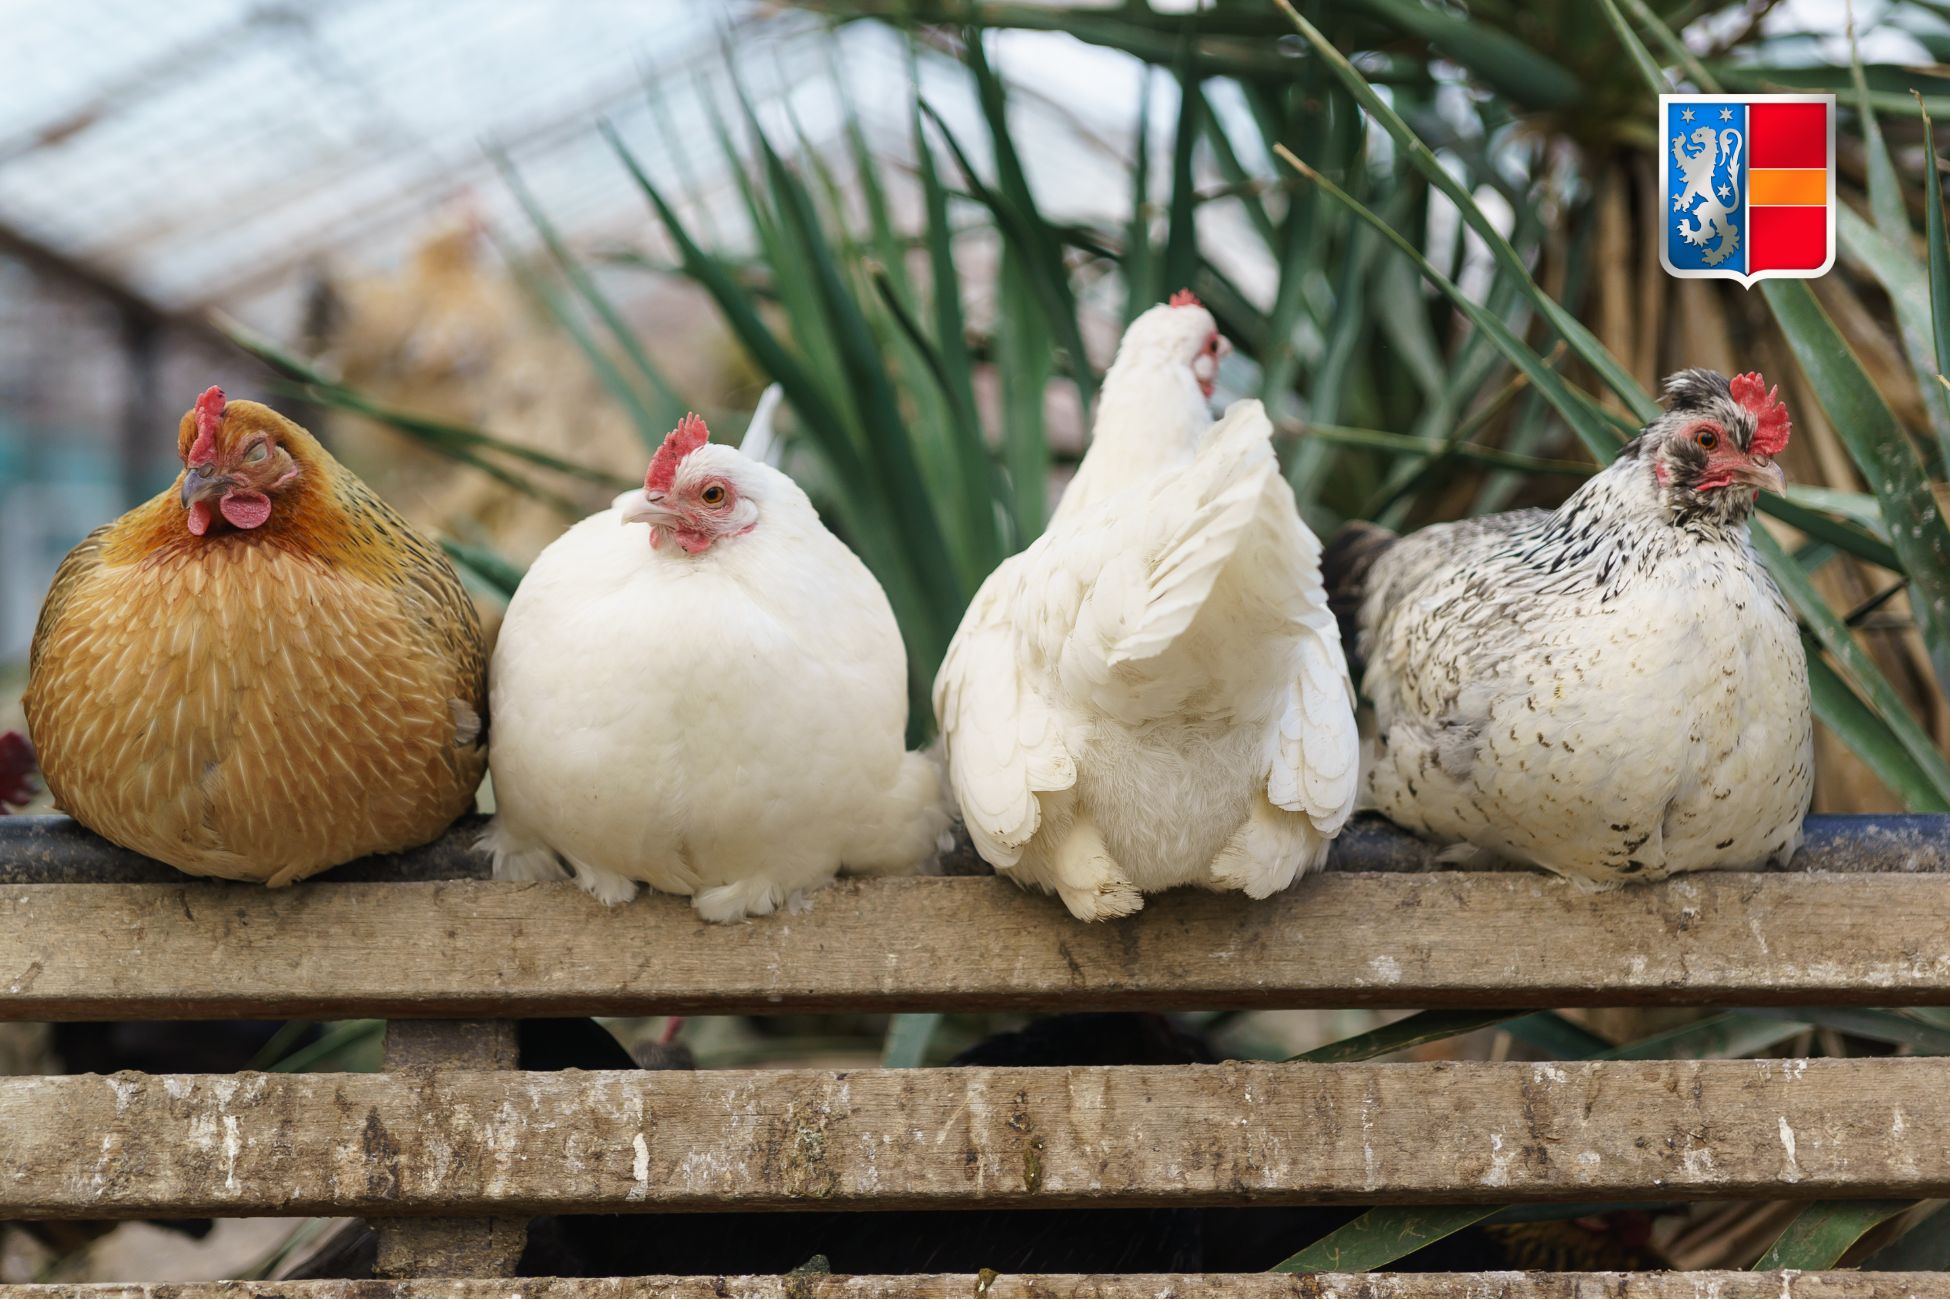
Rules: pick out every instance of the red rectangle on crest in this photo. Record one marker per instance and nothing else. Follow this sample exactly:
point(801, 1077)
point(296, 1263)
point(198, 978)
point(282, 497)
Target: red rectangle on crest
point(1786, 239)
point(1787, 135)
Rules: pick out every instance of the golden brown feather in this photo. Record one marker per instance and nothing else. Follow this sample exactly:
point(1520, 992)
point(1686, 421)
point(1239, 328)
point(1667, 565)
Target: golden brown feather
point(262, 701)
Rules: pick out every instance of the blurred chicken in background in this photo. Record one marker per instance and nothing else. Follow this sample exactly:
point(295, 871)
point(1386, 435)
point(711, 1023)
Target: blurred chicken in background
point(16, 772)
point(451, 336)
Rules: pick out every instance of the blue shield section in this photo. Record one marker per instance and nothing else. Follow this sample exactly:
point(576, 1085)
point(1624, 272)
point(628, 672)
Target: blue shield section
point(1705, 204)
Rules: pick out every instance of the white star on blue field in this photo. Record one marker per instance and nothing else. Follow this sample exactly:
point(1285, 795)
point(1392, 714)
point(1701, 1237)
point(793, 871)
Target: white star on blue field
point(1685, 114)
point(1726, 115)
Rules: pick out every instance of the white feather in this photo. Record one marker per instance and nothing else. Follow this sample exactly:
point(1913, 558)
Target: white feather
point(761, 442)
point(1153, 694)
point(727, 725)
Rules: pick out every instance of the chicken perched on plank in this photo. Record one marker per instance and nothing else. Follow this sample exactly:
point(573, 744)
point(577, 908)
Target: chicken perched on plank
point(1153, 694)
point(703, 690)
point(262, 672)
point(1614, 690)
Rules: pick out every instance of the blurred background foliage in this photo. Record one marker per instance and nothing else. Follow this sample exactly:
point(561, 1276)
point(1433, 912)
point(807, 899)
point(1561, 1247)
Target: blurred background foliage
point(1450, 298)
point(1428, 226)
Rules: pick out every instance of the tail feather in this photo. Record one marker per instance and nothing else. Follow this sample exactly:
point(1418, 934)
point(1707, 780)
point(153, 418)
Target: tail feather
point(1224, 484)
point(761, 442)
point(1344, 567)
point(906, 833)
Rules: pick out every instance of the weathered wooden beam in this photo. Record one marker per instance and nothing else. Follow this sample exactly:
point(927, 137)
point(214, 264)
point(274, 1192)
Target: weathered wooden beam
point(481, 949)
point(1773, 1285)
point(52, 850)
point(482, 1246)
point(447, 1143)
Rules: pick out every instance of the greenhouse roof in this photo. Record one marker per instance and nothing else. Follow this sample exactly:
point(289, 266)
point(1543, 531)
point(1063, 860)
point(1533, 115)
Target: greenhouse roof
point(211, 153)
point(201, 152)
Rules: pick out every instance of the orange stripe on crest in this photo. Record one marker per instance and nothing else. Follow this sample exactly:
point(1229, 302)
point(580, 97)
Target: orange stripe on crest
point(1786, 186)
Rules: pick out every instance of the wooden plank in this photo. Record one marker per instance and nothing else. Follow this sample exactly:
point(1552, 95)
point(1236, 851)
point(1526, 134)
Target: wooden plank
point(482, 1247)
point(1787, 1285)
point(469, 949)
point(445, 1143)
point(52, 850)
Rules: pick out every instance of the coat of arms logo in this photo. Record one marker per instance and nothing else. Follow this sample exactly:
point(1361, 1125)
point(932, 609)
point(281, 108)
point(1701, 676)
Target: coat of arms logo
point(1748, 185)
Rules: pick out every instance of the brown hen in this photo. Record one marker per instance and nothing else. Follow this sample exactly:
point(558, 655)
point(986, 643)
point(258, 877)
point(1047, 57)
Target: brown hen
point(263, 672)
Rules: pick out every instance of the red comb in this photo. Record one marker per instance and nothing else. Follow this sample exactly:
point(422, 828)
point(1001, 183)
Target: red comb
point(209, 414)
point(1184, 298)
point(1771, 431)
point(687, 437)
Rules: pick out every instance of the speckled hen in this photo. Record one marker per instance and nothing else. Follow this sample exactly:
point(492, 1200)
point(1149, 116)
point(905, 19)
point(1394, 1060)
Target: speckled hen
point(1614, 690)
point(262, 672)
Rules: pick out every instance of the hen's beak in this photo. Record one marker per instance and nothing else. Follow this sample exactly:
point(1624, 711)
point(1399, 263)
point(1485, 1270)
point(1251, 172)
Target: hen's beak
point(1763, 474)
point(198, 486)
point(1205, 367)
point(646, 508)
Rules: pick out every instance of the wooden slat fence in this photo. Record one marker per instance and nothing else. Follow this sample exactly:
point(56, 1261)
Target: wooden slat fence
point(449, 1148)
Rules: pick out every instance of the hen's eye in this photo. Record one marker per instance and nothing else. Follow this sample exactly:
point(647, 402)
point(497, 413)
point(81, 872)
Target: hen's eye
point(256, 454)
point(713, 495)
point(1707, 439)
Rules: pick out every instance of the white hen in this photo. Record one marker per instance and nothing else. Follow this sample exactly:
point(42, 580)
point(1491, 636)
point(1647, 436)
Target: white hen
point(713, 705)
point(1153, 694)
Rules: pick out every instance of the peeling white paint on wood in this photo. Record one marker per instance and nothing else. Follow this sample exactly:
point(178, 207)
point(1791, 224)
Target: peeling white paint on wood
point(1442, 939)
point(1791, 1172)
point(639, 1168)
point(483, 1142)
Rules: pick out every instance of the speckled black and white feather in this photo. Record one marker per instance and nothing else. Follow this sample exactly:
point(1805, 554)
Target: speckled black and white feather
point(1614, 690)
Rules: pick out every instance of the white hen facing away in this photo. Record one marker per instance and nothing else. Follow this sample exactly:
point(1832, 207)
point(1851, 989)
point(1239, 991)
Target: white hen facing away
point(1154, 694)
point(714, 706)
